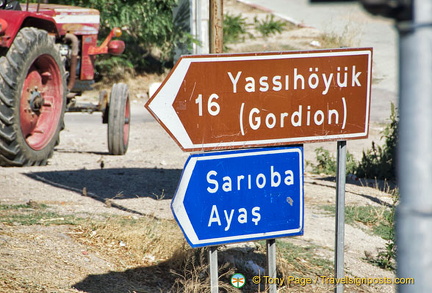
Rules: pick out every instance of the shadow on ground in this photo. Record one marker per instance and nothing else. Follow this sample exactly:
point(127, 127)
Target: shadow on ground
point(142, 279)
point(382, 185)
point(121, 183)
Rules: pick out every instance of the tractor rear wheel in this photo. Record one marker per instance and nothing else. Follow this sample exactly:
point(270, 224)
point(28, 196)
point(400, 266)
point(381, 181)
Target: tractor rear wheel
point(118, 119)
point(32, 99)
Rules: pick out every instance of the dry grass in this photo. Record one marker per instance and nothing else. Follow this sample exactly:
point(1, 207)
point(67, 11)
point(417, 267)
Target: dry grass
point(151, 255)
point(142, 241)
point(154, 256)
point(350, 37)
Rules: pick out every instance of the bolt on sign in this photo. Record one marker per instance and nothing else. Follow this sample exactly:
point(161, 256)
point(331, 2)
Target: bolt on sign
point(261, 99)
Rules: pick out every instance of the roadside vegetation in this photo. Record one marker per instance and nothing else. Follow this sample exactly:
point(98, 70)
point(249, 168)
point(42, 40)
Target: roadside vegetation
point(377, 163)
point(238, 28)
point(376, 220)
point(32, 213)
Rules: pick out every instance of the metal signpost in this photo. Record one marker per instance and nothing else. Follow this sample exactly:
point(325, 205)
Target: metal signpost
point(340, 214)
point(233, 196)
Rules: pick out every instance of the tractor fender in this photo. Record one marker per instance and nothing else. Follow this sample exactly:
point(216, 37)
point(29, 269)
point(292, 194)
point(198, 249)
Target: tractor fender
point(12, 21)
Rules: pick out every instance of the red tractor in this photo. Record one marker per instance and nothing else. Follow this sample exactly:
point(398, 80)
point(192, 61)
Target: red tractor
point(47, 55)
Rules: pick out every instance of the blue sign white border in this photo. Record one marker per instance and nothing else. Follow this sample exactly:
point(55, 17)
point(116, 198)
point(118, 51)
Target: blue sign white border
point(182, 218)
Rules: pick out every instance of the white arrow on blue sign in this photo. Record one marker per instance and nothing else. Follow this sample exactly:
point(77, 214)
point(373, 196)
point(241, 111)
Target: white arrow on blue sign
point(238, 196)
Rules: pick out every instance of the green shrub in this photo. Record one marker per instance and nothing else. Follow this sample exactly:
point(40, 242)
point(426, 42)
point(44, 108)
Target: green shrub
point(386, 257)
point(237, 28)
point(114, 68)
point(269, 26)
point(327, 164)
point(379, 162)
point(234, 28)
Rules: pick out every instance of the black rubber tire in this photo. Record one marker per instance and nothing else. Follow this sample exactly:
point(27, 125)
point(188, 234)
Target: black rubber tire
point(118, 119)
point(30, 46)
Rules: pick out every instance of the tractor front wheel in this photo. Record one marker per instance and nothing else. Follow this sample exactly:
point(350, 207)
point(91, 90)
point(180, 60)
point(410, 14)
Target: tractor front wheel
point(32, 99)
point(118, 119)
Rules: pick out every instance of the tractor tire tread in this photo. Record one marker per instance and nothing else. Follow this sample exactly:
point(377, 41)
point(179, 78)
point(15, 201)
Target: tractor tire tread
point(13, 149)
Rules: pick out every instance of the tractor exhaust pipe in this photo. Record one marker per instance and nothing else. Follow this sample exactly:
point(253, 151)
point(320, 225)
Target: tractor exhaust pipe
point(74, 59)
point(38, 5)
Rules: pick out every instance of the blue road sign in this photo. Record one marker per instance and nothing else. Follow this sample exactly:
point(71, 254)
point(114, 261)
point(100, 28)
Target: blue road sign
point(238, 196)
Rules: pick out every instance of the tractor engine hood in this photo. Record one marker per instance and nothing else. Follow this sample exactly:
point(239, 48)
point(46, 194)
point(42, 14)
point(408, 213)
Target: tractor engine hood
point(70, 19)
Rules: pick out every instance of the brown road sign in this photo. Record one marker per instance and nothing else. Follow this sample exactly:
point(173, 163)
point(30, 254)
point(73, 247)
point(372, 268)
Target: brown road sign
point(231, 101)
